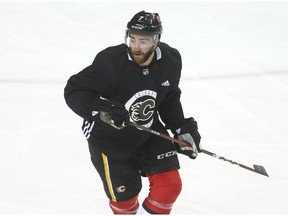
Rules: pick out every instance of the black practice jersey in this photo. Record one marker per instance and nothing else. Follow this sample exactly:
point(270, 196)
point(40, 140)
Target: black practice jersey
point(145, 92)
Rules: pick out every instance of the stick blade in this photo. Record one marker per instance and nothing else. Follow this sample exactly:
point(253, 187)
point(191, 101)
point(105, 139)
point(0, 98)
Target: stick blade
point(261, 170)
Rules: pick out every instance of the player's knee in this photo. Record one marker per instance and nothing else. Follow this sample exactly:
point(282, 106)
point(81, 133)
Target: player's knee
point(125, 207)
point(166, 186)
point(164, 190)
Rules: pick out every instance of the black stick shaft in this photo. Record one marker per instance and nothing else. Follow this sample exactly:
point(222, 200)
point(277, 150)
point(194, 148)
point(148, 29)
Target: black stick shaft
point(230, 161)
point(203, 150)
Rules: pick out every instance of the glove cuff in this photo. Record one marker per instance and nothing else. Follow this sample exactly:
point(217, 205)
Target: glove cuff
point(192, 123)
point(189, 125)
point(101, 105)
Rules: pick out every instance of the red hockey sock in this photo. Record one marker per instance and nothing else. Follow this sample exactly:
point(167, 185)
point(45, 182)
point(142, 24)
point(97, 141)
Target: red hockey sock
point(164, 190)
point(126, 207)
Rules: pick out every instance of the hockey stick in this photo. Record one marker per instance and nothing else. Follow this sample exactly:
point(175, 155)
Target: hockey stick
point(257, 168)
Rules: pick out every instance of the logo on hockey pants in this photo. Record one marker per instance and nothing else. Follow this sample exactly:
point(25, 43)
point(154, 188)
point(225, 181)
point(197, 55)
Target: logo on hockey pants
point(121, 189)
point(166, 155)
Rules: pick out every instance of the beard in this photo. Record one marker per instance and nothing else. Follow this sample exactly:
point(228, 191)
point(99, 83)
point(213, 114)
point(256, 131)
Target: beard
point(141, 57)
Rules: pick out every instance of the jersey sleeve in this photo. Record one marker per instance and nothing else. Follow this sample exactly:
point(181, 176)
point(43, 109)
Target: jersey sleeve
point(170, 109)
point(82, 89)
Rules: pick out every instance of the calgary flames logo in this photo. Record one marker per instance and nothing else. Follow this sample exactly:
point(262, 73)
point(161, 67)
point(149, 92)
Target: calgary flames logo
point(141, 107)
point(142, 110)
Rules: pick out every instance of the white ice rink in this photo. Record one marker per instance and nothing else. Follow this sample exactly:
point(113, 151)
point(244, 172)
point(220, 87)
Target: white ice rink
point(234, 82)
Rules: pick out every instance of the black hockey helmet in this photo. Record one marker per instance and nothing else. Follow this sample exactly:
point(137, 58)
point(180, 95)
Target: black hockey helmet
point(145, 23)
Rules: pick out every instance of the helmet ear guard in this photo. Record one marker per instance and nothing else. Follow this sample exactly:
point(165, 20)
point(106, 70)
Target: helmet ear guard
point(156, 38)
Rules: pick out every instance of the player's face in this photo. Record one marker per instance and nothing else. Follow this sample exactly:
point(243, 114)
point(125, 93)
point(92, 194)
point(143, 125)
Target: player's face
point(141, 47)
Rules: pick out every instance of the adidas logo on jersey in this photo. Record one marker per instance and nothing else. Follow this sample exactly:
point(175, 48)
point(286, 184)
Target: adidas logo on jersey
point(166, 83)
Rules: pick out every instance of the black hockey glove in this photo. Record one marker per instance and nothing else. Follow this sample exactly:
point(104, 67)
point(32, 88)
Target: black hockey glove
point(112, 113)
point(189, 134)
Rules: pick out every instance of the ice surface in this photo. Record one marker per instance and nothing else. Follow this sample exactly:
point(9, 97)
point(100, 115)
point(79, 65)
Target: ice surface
point(235, 75)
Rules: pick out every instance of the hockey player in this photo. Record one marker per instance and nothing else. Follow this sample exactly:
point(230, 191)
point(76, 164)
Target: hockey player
point(136, 81)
